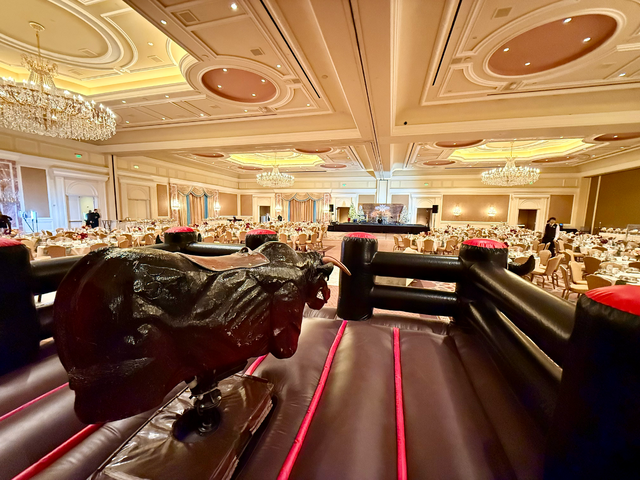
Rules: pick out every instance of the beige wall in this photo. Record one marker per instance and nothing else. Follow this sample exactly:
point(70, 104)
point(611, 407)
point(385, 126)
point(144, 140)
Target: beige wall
point(366, 199)
point(618, 200)
point(474, 208)
point(403, 199)
point(246, 205)
point(34, 189)
point(228, 203)
point(560, 206)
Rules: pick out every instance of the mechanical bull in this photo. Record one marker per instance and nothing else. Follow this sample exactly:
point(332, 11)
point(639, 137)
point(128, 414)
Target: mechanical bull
point(133, 323)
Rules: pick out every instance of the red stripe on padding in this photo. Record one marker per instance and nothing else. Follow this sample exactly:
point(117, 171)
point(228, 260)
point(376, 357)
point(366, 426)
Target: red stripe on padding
point(58, 452)
point(289, 462)
point(255, 365)
point(401, 442)
point(31, 402)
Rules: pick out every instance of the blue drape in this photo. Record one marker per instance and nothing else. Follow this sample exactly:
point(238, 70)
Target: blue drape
point(188, 212)
point(206, 206)
point(314, 210)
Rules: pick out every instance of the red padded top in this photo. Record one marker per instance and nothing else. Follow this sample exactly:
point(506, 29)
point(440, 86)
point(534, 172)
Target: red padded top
point(180, 230)
point(8, 242)
point(623, 297)
point(484, 243)
point(360, 235)
point(261, 231)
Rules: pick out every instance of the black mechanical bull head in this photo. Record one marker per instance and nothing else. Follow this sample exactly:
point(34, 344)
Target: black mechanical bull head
point(131, 324)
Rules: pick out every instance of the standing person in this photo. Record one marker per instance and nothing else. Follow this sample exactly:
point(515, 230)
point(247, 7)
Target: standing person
point(87, 218)
point(5, 223)
point(95, 219)
point(551, 233)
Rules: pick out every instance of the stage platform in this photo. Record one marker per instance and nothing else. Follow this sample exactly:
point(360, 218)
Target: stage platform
point(377, 228)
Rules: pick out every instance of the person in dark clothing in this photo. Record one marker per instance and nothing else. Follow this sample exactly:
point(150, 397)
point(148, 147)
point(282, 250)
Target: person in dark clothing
point(279, 218)
point(551, 233)
point(95, 219)
point(5, 223)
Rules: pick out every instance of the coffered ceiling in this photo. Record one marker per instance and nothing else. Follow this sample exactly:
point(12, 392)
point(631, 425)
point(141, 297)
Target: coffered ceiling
point(369, 87)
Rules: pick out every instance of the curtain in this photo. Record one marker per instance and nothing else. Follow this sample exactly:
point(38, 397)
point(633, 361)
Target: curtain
point(196, 207)
point(301, 211)
point(196, 203)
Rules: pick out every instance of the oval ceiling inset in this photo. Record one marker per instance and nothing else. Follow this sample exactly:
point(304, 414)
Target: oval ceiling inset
point(239, 85)
point(435, 163)
point(252, 169)
point(552, 45)
point(457, 144)
point(312, 151)
point(209, 155)
point(553, 160)
point(617, 137)
point(333, 165)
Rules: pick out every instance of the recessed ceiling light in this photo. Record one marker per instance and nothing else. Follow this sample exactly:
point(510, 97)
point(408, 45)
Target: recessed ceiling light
point(263, 80)
point(202, 114)
point(150, 44)
point(246, 111)
point(566, 20)
point(163, 118)
point(224, 69)
point(561, 137)
point(586, 40)
point(308, 104)
point(253, 94)
point(219, 86)
point(527, 64)
point(234, 6)
point(124, 101)
point(166, 96)
point(506, 49)
point(615, 136)
point(136, 166)
point(127, 121)
point(164, 22)
point(278, 66)
point(622, 74)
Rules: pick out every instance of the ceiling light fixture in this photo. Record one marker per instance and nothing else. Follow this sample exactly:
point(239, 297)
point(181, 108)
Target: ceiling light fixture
point(246, 111)
point(163, 118)
point(586, 40)
point(224, 69)
point(263, 80)
point(253, 94)
point(566, 20)
point(37, 106)
point(506, 49)
point(124, 101)
point(219, 86)
point(622, 74)
point(150, 44)
point(202, 114)
point(126, 121)
point(275, 179)
point(234, 6)
point(166, 96)
point(510, 174)
point(527, 64)
point(278, 66)
point(164, 22)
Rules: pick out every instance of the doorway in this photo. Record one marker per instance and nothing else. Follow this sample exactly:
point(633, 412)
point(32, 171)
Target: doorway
point(527, 218)
point(77, 207)
point(264, 211)
point(138, 209)
point(423, 216)
point(343, 214)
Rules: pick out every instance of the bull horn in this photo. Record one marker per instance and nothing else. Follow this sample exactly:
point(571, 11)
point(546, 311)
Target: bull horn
point(337, 263)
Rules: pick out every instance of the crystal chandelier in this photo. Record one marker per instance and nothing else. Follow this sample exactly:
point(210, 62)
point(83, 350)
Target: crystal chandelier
point(510, 174)
point(7, 195)
point(275, 179)
point(37, 106)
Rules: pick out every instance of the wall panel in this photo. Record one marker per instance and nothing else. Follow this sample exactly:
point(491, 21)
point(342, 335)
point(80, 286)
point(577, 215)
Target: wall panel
point(35, 191)
point(474, 208)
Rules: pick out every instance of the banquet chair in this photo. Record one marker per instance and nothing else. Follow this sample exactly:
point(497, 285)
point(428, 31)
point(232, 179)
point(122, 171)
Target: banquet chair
point(596, 281)
point(405, 243)
point(534, 245)
point(97, 246)
point(242, 236)
point(591, 265)
point(428, 245)
point(311, 243)
point(420, 244)
point(57, 251)
point(301, 242)
point(569, 287)
point(148, 239)
point(320, 238)
point(520, 260)
point(282, 238)
point(576, 273)
point(208, 239)
point(548, 271)
point(544, 255)
point(228, 237)
point(448, 248)
point(124, 243)
point(396, 242)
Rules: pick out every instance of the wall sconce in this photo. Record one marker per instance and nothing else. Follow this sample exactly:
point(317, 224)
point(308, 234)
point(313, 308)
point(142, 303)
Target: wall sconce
point(175, 204)
point(216, 206)
point(491, 212)
point(457, 211)
point(278, 208)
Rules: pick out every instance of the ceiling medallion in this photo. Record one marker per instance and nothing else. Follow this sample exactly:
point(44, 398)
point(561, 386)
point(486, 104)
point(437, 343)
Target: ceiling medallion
point(37, 106)
point(511, 175)
point(275, 179)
